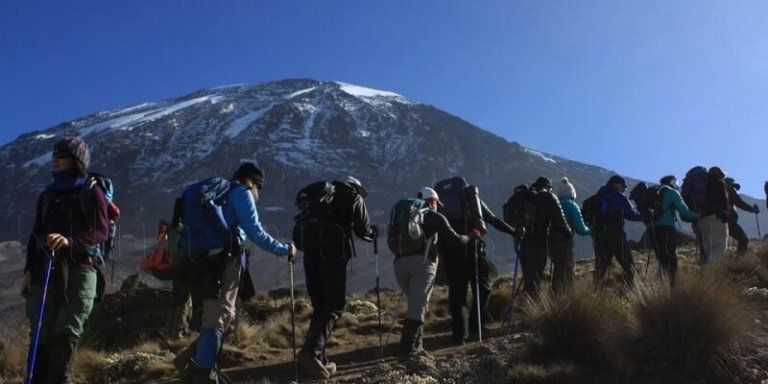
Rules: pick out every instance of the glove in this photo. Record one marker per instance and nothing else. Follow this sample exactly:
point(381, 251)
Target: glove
point(475, 234)
point(375, 231)
point(756, 209)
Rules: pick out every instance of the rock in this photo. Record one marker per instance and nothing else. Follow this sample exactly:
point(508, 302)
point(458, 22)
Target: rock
point(133, 282)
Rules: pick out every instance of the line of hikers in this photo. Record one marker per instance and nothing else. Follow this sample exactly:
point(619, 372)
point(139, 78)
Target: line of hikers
point(446, 222)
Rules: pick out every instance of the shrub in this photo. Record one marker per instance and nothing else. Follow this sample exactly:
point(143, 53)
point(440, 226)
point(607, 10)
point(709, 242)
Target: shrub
point(573, 326)
point(694, 329)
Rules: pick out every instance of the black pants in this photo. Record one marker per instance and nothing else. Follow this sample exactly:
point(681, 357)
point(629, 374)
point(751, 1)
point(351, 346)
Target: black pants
point(460, 268)
point(561, 254)
point(737, 232)
point(609, 244)
point(326, 277)
point(665, 246)
point(533, 261)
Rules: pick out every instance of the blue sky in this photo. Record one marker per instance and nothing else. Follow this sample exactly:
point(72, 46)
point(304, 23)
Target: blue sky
point(646, 88)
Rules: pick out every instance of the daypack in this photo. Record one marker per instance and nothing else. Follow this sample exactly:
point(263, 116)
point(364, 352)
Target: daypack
point(405, 235)
point(83, 195)
point(453, 195)
point(314, 227)
point(161, 263)
point(594, 210)
point(202, 225)
point(520, 208)
point(694, 188)
point(647, 199)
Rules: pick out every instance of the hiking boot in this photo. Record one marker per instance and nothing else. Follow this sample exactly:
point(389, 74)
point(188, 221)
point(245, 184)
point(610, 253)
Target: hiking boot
point(312, 365)
point(330, 367)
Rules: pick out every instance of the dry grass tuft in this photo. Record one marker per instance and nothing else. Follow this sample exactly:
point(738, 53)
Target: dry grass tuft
point(13, 360)
point(89, 361)
point(693, 330)
point(572, 327)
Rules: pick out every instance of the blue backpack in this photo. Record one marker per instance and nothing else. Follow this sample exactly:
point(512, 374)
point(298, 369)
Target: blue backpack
point(202, 225)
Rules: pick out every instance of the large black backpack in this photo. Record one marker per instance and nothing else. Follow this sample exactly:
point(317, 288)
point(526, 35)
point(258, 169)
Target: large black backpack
point(647, 199)
point(453, 195)
point(593, 210)
point(314, 226)
point(520, 208)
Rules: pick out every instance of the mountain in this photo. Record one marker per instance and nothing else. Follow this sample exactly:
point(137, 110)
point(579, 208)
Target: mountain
point(299, 131)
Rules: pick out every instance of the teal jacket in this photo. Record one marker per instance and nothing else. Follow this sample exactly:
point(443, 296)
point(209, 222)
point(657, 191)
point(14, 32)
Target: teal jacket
point(573, 216)
point(672, 202)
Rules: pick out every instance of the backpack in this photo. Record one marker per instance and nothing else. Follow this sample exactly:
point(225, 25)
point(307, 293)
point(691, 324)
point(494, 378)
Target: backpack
point(405, 235)
point(694, 188)
point(594, 210)
point(161, 263)
point(520, 208)
point(202, 227)
point(314, 227)
point(452, 194)
point(95, 180)
point(647, 199)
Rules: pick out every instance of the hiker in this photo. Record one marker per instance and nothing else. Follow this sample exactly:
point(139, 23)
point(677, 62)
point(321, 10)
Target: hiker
point(665, 236)
point(560, 242)
point(460, 262)
point(608, 234)
point(221, 272)
point(415, 272)
point(714, 217)
point(547, 219)
point(325, 271)
point(70, 225)
point(734, 229)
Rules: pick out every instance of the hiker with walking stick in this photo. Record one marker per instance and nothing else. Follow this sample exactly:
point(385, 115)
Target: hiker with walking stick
point(63, 253)
point(220, 214)
point(561, 242)
point(734, 229)
point(329, 214)
point(461, 264)
point(664, 233)
point(415, 235)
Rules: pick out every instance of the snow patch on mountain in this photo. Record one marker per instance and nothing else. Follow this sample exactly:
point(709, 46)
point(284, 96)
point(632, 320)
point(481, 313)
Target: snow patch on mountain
point(300, 92)
point(134, 120)
point(43, 136)
point(39, 161)
point(244, 122)
point(539, 155)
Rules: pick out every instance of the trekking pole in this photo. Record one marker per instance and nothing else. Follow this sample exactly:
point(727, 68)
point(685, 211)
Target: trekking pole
point(378, 294)
point(757, 220)
point(293, 323)
point(510, 310)
point(38, 330)
point(477, 291)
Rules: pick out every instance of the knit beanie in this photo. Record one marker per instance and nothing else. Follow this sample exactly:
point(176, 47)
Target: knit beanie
point(249, 170)
point(542, 182)
point(74, 147)
point(667, 180)
point(566, 189)
point(616, 179)
point(716, 173)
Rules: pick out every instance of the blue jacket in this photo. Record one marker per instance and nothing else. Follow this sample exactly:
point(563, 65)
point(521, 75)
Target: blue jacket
point(672, 202)
point(573, 216)
point(241, 214)
point(619, 208)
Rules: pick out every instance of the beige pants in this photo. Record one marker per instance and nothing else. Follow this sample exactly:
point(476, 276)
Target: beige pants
point(415, 275)
point(218, 313)
point(714, 234)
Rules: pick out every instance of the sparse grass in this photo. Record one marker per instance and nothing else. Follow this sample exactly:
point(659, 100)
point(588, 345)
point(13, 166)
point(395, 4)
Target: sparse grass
point(88, 361)
point(572, 327)
point(13, 359)
point(693, 330)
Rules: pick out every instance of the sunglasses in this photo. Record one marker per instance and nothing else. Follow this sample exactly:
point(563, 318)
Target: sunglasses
point(61, 155)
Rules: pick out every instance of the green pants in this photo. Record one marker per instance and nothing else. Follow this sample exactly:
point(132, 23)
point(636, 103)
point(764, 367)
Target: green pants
point(60, 317)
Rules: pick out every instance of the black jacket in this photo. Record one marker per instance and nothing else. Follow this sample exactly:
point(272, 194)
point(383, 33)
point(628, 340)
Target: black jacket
point(716, 201)
point(350, 213)
point(549, 219)
point(436, 224)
